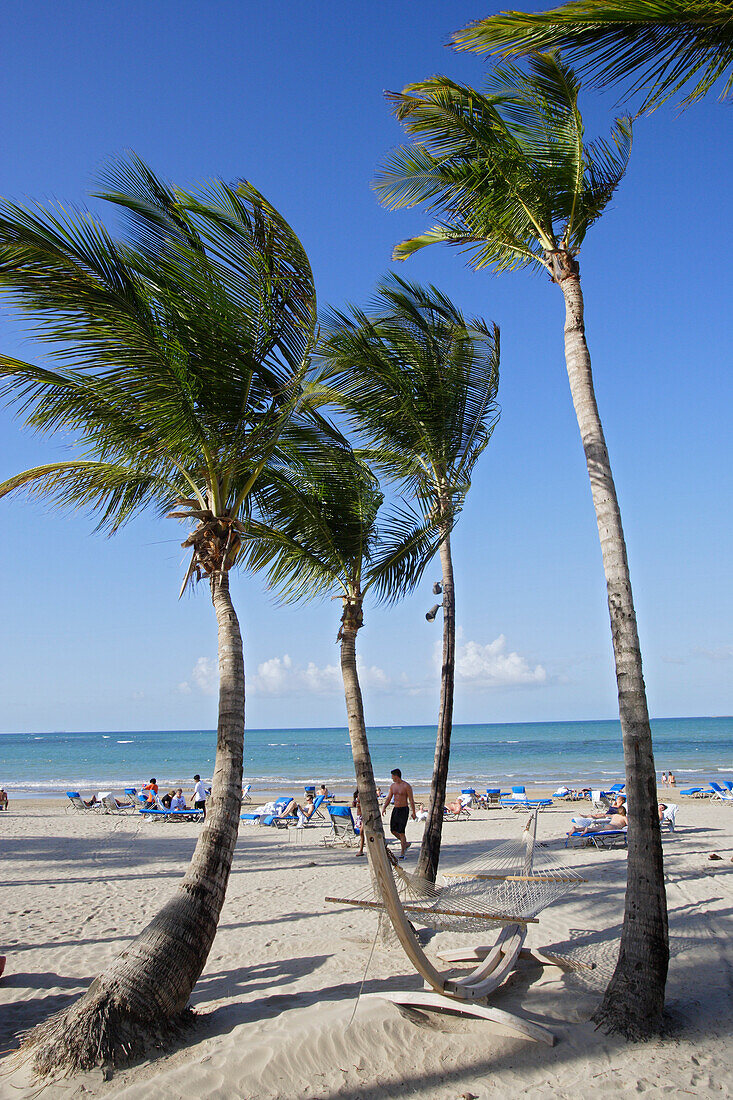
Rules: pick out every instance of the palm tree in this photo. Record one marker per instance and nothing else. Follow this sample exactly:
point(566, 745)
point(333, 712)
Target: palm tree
point(420, 383)
point(518, 186)
point(323, 537)
point(657, 47)
point(180, 360)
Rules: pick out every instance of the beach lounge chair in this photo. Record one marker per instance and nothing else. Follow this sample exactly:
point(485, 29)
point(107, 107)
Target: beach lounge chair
point(519, 801)
point(109, 805)
point(493, 797)
point(246, 796)
point(603, 838)
point(716, 791)
point(266, 813)
point(669, 817)
point(343, 830)
point(160, 813)
point(80, 805)
point(695, 792)
point(471, 794)
point(465, 801)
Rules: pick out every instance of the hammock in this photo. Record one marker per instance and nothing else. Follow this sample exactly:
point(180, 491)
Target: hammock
point(510, 884)
point(507, 888)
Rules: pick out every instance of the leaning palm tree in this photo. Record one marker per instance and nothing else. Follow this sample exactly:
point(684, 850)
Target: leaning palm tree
point(518, 186)
point(180, 355)
point(419, 383)
point(324, 536)
point(658, 47)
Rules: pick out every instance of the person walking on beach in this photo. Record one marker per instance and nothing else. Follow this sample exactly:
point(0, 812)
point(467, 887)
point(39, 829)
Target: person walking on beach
point(199, 795)
point(404, 803)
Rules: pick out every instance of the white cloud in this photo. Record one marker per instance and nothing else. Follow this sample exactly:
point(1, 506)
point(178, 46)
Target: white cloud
point(485, 666)
point(280, 676)
point(722, 653)
point(205, 676)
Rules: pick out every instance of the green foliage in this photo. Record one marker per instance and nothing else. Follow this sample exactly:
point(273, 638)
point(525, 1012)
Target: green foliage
point(181, 351)
point(508, 171)
point(419, 384)
point(658, 47)
point(323, 534)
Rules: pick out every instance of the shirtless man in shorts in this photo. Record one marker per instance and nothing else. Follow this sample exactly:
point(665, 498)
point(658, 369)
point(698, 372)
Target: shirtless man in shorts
point(402, 794)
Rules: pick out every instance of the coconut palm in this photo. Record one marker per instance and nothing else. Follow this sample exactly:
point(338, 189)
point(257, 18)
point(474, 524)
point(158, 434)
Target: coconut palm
point(419, 383)
point(657, 47)
point(325, 537)
point(179, 354)
point(517, 186)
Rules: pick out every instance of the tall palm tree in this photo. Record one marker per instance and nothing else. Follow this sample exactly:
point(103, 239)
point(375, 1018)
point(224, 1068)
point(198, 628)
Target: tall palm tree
point(420, 383)
point(657, 47)
point(180, 355)
point(518, 186)
point(324, 536)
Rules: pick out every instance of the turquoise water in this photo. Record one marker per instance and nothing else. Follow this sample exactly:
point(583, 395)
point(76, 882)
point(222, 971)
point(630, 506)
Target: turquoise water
point(545, 752)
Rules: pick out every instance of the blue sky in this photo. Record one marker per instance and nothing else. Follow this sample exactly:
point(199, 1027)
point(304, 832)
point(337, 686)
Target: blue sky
point(290, 96)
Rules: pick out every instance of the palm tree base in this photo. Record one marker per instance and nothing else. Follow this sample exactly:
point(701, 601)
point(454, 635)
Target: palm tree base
point(98, 1031)
point(633, 1009)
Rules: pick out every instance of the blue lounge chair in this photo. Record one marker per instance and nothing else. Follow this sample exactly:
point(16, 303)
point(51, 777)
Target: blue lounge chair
point(160, 813)
point(519, 801)
point(343, 830)
point(695, 792)
point(259, 818)
point(604, 838)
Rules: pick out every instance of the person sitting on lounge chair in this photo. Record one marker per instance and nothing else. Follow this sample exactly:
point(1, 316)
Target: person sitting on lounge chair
point(150, 790)
point(178, 802)
point(294, 810)
point(323, 789)
point(459, 806)
point(601, 822)
point(97, 799)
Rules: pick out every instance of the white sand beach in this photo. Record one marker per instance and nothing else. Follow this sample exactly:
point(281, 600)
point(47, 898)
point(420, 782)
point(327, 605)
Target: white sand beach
point(277, 1002)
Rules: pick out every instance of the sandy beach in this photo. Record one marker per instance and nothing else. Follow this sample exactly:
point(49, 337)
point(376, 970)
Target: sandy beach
point(277, 1003)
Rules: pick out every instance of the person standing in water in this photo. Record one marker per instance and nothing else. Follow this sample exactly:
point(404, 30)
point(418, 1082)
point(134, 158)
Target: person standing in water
point(404, 804)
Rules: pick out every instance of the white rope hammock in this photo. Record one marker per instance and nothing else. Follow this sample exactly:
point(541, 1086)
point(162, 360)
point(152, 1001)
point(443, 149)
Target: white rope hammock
point(510, 884)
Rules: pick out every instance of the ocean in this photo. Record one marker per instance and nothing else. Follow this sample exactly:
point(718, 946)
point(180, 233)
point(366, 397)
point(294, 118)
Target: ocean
point(550, 753)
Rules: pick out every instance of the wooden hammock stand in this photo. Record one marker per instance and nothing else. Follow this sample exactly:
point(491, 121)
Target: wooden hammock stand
point(465, 996)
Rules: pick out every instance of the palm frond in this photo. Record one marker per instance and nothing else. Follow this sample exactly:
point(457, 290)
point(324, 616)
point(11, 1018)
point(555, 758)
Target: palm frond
point(508, 171)
point(418, 383)
point(407, 544)
point(181, 352)
point(656, 47)
point(114, 493)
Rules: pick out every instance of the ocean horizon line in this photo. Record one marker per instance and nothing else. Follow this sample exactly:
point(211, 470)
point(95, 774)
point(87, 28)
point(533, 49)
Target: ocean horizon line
point(373, 726)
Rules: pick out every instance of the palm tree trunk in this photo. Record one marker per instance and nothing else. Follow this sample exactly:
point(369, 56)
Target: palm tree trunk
point(634, 1000)
point(142, 997)
point(370, 812)
point(427, 865)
